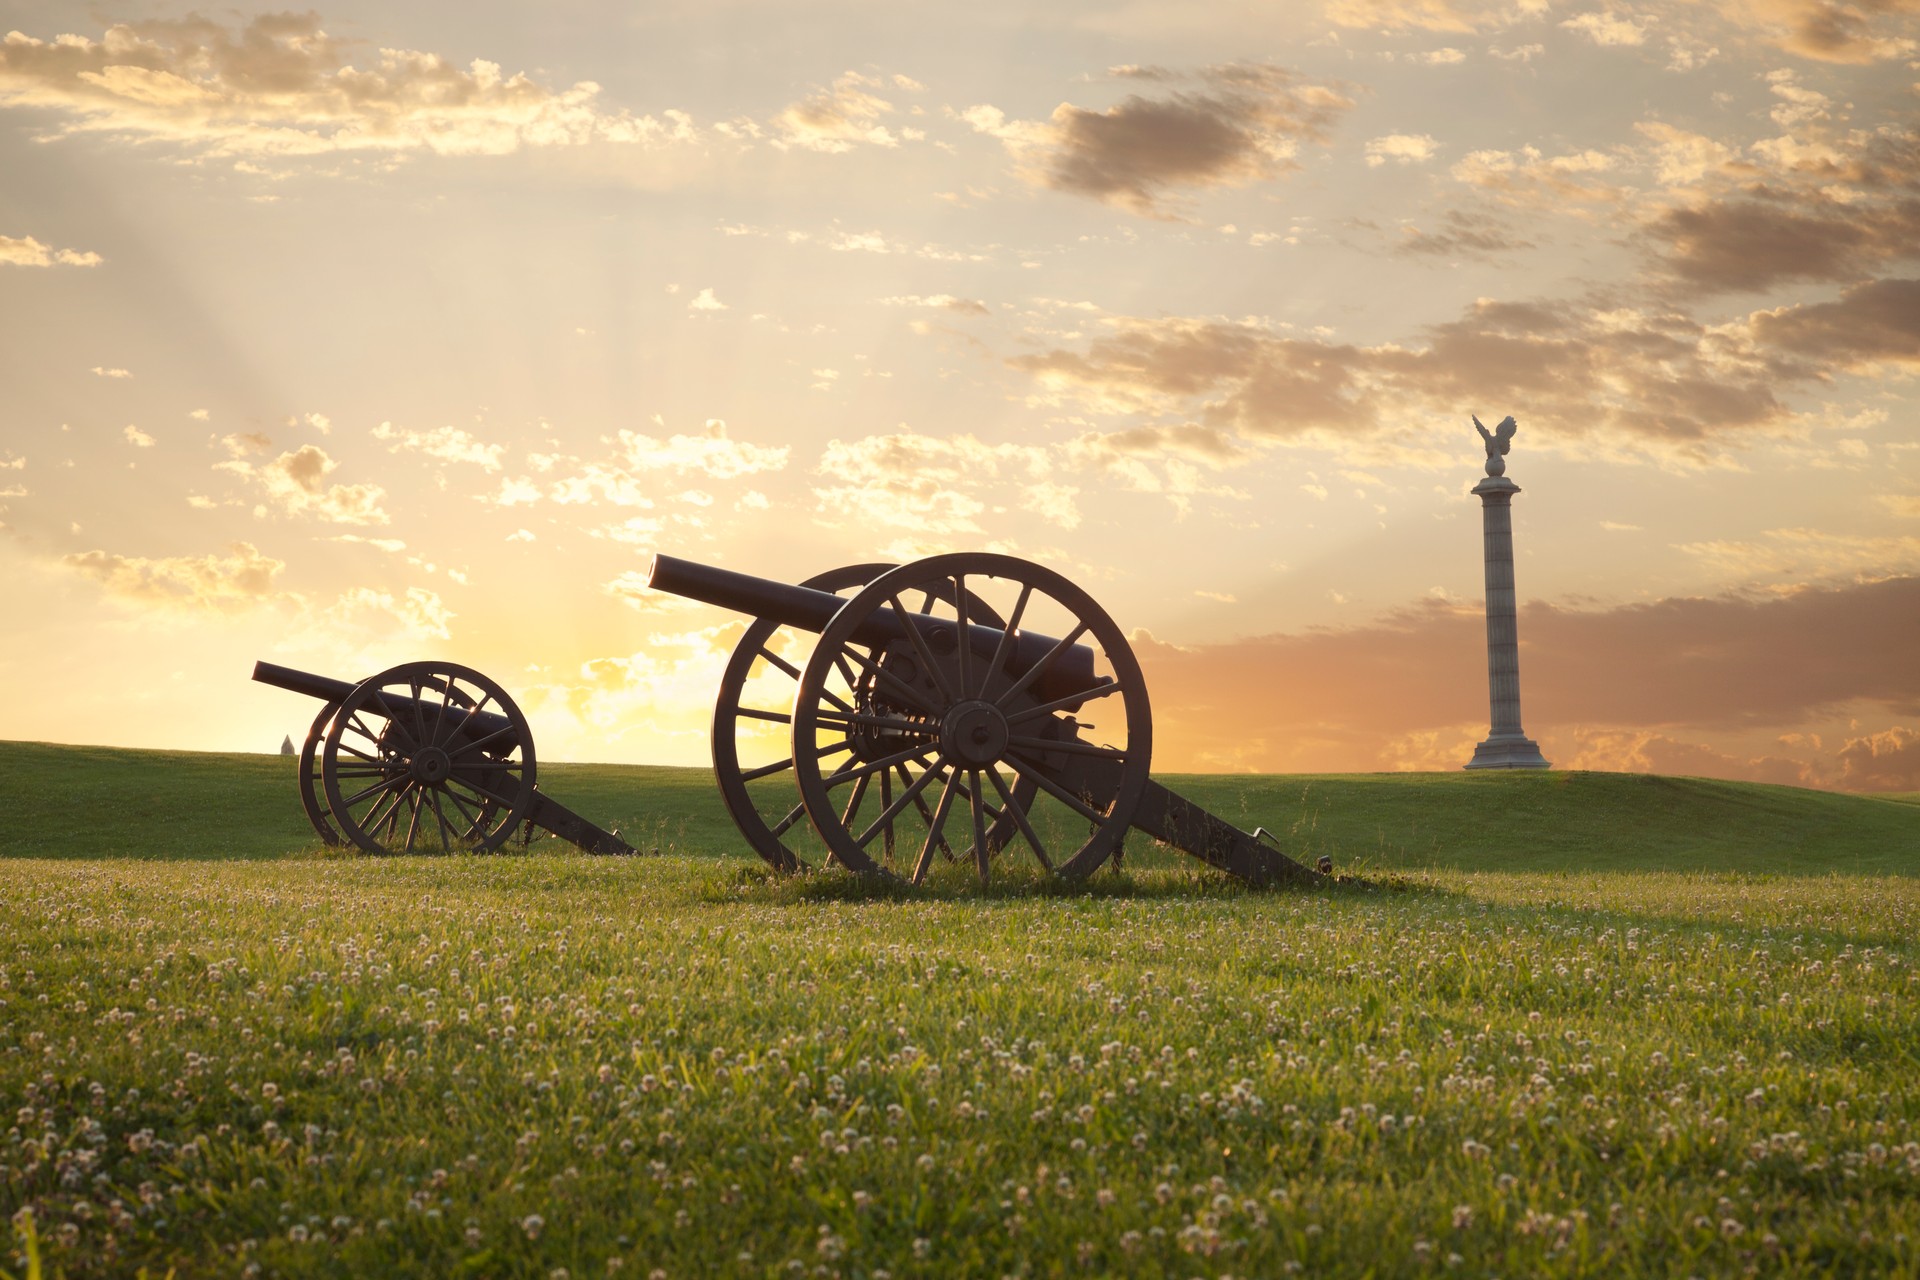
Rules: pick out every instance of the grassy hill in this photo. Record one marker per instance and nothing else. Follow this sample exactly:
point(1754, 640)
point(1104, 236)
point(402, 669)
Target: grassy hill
point(82, 802)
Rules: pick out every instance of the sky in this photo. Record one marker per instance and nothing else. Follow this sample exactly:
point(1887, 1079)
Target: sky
point(351, 336)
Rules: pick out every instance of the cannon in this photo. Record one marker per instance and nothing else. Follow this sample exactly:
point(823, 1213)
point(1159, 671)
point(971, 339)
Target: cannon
point(965, 705)
point(425, 756)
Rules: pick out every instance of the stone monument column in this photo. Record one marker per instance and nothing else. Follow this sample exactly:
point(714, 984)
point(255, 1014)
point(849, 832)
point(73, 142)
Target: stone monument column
point(1507, 745)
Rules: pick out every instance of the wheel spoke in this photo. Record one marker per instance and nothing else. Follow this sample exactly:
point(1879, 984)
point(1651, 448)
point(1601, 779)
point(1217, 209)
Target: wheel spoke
point(780, 662)
point(413, 823)
point(920, 647)
point(963, 636)
point(853, 801)
point(376, 814)
point(920, 803)
point(1106, 686)
point(467, 718)
point(934, 823)
point(441, 816)
point(1020, 818)
point(361, 755)
point(903, 691)
point(355, 722)
point(978, 805)
point(419, 712)
point(886, 798)
point(819, 753)
point(1027, 769)
point(899, 802)
point(1032, 673)
point(755, 713)
point(479, 744)
point(786, 824)
point(505, 802)
point(472, 816)
point(794, 672)
point(1006, 638)
point(382, 785)
point(440, 716)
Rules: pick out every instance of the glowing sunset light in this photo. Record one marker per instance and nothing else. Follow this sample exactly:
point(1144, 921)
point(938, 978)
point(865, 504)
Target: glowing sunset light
point(381, 333)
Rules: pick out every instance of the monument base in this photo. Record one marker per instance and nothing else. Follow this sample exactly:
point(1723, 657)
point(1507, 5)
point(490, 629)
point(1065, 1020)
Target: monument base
point(1507, 751)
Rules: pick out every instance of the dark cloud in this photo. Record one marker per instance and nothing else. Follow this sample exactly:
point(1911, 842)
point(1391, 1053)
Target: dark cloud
point(1463, 235)
point(1609, 683)
point(1757, 242)
point(1239, 123)
point(1690, 382)
point(1879, 320)
point(1835, 32)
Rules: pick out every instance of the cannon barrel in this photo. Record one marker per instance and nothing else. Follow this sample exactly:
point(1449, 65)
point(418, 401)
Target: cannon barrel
point(327, 689)
point(809, 610)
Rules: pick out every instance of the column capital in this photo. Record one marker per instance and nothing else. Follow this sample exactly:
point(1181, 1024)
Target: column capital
point(1495, 488)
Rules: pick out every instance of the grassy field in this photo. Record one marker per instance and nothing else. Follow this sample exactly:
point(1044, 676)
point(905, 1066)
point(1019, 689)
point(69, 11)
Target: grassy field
point(1568, 1025)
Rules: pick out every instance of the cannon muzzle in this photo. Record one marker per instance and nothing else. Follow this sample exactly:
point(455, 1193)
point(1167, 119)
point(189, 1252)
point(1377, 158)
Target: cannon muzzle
point(476, 724)
point(809, 610)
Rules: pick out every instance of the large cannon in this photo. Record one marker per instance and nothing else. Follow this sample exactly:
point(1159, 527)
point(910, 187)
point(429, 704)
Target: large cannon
point(425, 756)
point(964, 706)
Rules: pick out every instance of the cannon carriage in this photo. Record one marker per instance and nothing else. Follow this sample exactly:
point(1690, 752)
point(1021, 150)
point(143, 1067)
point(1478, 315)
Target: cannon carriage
point(424, 757)
point(971, 706)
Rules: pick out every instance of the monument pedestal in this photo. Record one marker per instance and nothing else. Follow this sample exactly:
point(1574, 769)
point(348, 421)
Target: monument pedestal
point(1507, 746)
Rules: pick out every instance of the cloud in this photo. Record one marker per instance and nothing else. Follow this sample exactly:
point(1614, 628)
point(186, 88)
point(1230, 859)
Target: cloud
point(296, 483)
point(1462, 235)
point(712, 452)
point(101, 371)
point(1242, 123)
point(1869, 324)
point(1608, 29)
point(279, 85)
point(137, 438)
point(240, 580)
point(1803, 553)
point(1887, 761)
point(705, 301)
point(449, 444)
point(935, 485)
point(25, 251)
point(941, 301)
point(1459, 16)
point(1639, 751)
point(1401, 148)
point(1529, 178)
point(841, 117)
point(1653, 377)
point(418, 612)
point(1732, 668)
point(1833, 210)
point(1831, 32)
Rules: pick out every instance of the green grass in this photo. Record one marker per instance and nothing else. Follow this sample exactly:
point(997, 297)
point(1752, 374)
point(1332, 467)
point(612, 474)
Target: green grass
point(225, 1053)
point(88, 802)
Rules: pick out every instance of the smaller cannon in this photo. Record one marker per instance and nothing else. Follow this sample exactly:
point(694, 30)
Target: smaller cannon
point(937, 714)
point(424, 757)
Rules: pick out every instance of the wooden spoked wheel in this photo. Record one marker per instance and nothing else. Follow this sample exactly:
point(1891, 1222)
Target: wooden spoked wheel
point(313, 796)
point(752, 763)
point(428, 757)
point(1039, 724)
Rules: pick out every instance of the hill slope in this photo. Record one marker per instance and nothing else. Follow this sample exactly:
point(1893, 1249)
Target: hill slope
point(78, 802)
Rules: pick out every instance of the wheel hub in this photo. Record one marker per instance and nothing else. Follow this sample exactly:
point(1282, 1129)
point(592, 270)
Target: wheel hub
point(430, 764)
point(974, 733)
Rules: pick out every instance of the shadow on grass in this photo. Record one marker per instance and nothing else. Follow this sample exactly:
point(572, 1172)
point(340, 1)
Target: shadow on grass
point(762, 885)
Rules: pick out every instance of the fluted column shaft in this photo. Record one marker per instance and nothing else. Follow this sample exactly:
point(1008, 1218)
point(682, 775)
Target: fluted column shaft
point(1507, 745)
